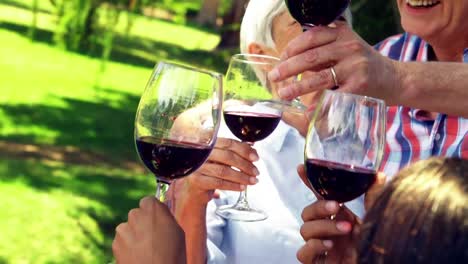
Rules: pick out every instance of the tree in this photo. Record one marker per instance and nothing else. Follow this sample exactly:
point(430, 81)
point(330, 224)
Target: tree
point(231, 24)
point(208, 13)
point(375, 20)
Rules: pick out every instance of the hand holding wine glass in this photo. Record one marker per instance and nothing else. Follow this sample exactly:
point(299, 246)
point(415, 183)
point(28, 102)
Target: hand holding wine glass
point(252, 110)
point(139, 239)
point(168, 144)
point(343, 152)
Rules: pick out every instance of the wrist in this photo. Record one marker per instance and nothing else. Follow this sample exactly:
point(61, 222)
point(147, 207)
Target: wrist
point(396, 83)
point(189, 202)
point(406, 87)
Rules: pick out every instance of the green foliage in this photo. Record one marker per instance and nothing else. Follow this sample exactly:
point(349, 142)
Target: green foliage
point(76, 23)
point(375, 20)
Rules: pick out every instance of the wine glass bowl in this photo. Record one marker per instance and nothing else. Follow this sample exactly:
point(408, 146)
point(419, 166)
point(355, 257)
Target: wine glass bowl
point(252, 109)
point(344, 145)
point(177, 120)
point(316, 12)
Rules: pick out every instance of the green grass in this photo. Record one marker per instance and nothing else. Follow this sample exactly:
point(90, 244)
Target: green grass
point(58, 213)
point(55, 210)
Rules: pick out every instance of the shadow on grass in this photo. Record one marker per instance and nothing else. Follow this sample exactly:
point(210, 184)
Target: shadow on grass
point(140, 51)
point(104, 127)
point(115, 192)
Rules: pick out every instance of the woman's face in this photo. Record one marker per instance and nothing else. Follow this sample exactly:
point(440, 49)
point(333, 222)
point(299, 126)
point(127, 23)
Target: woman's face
point(437, 21)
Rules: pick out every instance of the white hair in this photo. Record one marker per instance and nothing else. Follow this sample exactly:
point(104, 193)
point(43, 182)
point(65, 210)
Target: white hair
point(258, 19)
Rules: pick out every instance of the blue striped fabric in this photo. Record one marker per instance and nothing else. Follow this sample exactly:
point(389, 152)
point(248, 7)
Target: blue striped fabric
point(411, 135)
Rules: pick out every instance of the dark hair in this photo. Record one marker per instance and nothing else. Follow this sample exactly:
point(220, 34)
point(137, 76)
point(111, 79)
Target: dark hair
point(420, 217)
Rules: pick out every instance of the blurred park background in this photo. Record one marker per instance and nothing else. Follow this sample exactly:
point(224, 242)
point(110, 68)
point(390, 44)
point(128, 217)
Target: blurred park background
point(71, 72)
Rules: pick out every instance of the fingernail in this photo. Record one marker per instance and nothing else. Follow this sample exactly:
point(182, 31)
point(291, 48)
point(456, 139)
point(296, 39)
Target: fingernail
point(242, 187)
point(253, 157)
point(343, 226)
point(331, 206)
point(284, 93)
point(273, 75)
point(255, 171)
point(253, 180)
point(327, 243)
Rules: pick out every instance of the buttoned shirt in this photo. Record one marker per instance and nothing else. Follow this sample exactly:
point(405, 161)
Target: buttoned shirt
point(411, 134)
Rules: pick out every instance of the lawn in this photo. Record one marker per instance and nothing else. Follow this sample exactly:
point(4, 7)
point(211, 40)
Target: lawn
point(68, 168)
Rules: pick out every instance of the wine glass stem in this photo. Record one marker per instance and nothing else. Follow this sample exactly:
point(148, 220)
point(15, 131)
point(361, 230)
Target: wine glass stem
point(243, 198)
point(242, 201)
point(333, 216)
point(161, 190)
point(306, 27)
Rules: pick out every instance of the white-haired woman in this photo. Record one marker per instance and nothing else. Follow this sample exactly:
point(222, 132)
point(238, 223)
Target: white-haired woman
point(269, 170)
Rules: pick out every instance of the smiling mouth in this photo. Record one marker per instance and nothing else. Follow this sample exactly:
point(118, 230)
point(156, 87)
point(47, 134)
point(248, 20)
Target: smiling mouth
point(422, 3)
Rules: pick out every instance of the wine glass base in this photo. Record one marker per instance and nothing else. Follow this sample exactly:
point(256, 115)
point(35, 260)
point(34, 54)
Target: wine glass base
point(241, 213)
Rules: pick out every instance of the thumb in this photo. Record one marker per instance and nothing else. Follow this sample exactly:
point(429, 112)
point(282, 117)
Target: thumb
point(375, 190)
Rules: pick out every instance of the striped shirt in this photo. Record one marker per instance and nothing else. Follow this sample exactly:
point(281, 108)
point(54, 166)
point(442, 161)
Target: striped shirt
point(411, 133)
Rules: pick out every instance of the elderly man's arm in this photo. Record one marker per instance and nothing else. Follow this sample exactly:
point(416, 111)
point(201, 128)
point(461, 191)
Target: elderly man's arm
point(434, 86)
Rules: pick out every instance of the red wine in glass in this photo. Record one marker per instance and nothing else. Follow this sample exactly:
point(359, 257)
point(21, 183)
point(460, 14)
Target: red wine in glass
point(339, 182)
point(177, 121)
point(170, 160)
point(251, 127)
point(316, 12)
point(251, 111)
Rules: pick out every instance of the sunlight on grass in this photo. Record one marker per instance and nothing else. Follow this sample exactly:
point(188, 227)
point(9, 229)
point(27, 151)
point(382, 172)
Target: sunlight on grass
point(167, 32)
point(22, 16)
point(58, 213)
point(43, 216)
point(30, 79)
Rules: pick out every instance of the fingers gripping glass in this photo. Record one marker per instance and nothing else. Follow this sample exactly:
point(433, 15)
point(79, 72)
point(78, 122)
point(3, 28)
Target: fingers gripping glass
point(252, 110)
point(177, 121)
point(344, 145)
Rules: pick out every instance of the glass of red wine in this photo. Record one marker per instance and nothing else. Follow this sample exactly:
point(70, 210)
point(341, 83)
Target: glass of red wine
point(177, 121)
point(344, 145)
point(252, 110)
point(311, 13)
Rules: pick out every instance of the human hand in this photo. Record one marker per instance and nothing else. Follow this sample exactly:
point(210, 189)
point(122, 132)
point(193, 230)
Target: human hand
point(321, 234)
point(359, 68)
point(151, 236)
point(217, 173)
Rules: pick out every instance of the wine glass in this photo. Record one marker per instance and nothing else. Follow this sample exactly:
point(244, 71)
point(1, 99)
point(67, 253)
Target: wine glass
point(311, 13)
point(177, 121)
point(252, 110)
point(344, 145)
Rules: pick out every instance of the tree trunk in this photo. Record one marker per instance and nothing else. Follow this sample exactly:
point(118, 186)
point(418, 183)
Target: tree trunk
point(89, 26)
point(231, 25)
point(208, 13)
point(33, 27)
